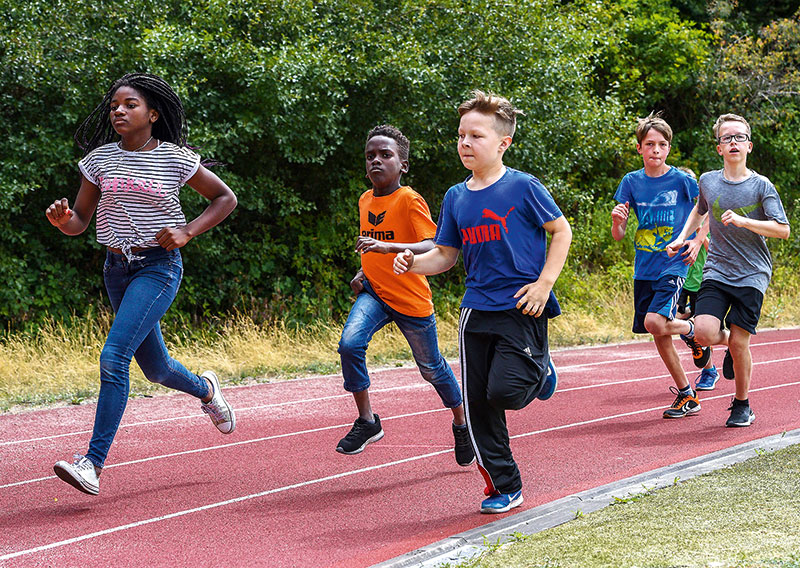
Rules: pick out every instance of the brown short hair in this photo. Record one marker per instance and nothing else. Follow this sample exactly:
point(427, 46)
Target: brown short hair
point(505, 114)
point(729, 118)
point(653, 121)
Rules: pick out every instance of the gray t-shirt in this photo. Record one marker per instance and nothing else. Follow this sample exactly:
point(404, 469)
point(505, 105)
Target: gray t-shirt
point(738, 256)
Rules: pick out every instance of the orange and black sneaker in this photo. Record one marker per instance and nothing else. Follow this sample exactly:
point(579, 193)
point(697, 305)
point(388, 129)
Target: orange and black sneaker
point(700, 354)
point(684, 405)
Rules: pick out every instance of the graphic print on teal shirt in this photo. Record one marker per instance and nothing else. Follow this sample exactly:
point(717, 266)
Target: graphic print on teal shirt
point(656, 223)
point(661, 205)
point(717, 211)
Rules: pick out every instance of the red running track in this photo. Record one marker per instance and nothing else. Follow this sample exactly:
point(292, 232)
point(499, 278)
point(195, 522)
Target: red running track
point(275, 493)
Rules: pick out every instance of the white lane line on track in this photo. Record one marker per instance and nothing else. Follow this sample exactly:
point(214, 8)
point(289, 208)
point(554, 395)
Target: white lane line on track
point(258, 495)
point(421, 385)
point(230, 445)
point(407, 415)
point(198, 416)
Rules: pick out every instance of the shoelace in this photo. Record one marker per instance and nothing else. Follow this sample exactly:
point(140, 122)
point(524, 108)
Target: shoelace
point(679, 397)
point(358, 427)
point(461, 435)
point(213, 410)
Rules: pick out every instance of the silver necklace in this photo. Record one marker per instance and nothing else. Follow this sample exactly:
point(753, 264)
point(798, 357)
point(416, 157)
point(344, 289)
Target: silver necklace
point(119, 145)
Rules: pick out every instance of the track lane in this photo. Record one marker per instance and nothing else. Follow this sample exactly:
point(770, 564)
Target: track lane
point(579, 439)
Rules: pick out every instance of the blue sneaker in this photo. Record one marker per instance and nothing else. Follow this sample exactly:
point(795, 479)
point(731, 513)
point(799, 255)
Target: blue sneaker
point(501, 502)
point(707, 380)
point(550, 382)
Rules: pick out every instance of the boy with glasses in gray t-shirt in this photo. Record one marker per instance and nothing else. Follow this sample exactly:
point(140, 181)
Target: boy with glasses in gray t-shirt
point(745, 208)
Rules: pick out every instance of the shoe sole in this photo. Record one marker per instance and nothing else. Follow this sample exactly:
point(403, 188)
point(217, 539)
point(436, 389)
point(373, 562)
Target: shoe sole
point(711, 388)
point(65, 474)
point(741, 424)
point(467, 464)
point(374, 438)
point(551, 391)
point(515, 503)
point(702, 361)
point(691, 412)
point(727, 368)
point(212, 376)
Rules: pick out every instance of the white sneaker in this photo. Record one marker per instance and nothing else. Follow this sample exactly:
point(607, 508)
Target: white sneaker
point(81, 474)
point(217, 408)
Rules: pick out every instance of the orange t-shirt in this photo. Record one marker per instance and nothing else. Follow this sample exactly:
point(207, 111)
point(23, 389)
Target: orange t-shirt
point(403, 217)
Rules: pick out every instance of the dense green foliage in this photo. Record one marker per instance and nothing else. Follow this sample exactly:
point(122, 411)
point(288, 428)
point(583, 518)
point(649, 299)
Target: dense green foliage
point(282, 94)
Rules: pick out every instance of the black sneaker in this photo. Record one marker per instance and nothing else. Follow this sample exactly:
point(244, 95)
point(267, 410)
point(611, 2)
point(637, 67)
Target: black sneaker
point(684, 405)
point(700, 354)
point(741, 415)
point(361, 434)
point(727, 366)
point(464, 453)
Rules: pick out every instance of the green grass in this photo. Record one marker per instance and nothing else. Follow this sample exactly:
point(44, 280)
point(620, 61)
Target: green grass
point(742, 516)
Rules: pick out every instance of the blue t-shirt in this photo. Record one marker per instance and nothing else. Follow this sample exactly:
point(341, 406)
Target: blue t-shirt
point(662, 205)
point(499, 229)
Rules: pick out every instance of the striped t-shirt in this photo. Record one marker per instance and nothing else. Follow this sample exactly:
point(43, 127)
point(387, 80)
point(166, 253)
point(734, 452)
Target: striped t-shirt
point(139, 191)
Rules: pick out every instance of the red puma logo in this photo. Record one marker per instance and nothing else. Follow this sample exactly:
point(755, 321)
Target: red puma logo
point(496, 217)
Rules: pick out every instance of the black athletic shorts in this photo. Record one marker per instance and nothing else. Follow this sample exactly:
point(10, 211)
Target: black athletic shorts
point(733, 305)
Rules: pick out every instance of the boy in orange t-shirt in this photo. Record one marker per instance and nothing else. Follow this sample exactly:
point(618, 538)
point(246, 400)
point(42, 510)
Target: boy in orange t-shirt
point(393, 218)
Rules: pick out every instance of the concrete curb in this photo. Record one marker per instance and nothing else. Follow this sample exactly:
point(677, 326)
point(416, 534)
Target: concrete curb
point(468, 544)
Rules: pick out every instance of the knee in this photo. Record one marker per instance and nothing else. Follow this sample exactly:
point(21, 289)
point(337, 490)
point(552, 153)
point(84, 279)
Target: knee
point(654, 324)
point(705, 335)
point(114, 365)
point(350, 347)
point(505, 399)
point(155, 373)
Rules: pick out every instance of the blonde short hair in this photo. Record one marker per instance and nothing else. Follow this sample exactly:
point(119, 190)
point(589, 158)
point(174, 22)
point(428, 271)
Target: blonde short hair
point(653, 121)
point(729, 118)
point(505, 114)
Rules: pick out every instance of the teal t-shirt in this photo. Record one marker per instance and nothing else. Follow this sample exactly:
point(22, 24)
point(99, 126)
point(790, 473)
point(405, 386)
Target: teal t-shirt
point(661, 205)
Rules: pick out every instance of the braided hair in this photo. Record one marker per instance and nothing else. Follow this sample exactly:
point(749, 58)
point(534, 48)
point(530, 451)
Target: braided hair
point(171, 125)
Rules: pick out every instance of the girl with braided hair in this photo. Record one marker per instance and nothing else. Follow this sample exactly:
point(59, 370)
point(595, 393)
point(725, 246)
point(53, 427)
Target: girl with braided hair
point(135, 162)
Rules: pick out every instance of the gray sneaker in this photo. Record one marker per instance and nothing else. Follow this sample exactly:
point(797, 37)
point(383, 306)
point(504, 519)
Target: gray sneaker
point(81, 474)
point(217, 408)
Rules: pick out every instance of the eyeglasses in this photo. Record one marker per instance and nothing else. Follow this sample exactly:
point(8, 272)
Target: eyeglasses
point(729, 137)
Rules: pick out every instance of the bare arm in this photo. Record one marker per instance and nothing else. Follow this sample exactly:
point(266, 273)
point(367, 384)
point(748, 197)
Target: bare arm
point(693, 222)
point(619, 220)
point(533, 297)
point(223, 201)
point(368, 244)
point(437, 260)
point(74, 221)
point(765, 228)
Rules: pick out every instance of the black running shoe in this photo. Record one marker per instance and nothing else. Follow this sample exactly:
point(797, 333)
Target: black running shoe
point(741, 415)
point(727, 366)
point(464, 454)
point(684, 405)
point(361, 434)
point(700, 354)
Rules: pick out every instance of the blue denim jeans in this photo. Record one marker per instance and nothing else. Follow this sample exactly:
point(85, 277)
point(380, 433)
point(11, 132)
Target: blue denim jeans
point(367, 316)
point(140, 291)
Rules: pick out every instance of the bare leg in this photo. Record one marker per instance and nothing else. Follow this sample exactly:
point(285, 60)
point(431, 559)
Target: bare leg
point(363, 405)
point(739, 345)
point(666, 349)
point(459, 419)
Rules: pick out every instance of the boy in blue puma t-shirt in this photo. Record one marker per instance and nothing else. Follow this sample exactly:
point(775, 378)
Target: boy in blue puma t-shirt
point(499, 218)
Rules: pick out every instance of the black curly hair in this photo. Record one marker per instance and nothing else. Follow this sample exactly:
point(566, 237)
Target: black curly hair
point(394, 133)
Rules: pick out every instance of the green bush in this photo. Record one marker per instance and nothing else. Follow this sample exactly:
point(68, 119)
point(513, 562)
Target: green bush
point(282, 95)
